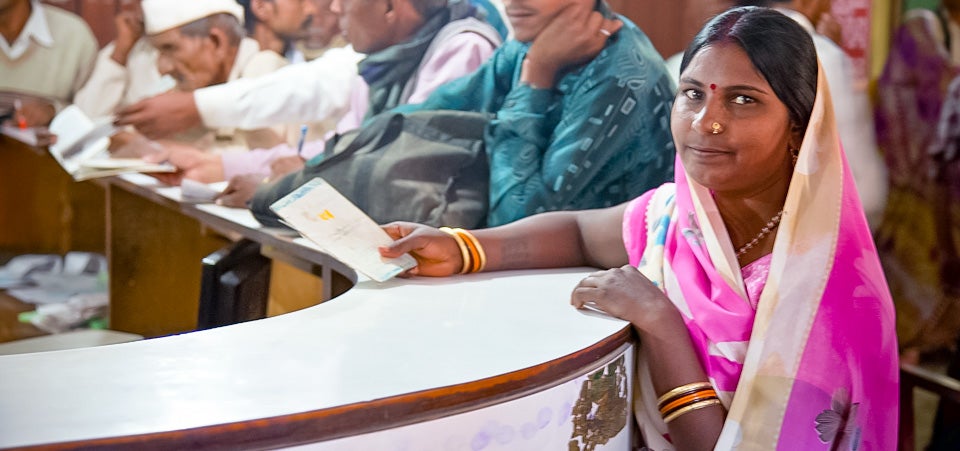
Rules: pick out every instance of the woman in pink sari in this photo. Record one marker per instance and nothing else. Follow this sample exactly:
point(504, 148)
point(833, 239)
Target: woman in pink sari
point(754, 286)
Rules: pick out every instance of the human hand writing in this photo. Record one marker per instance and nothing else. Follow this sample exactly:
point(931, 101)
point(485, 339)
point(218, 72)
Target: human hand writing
point(575, 36)
point(240, 190)
point(437, 253)
point(128, 144)
point(283, 166)
point(33, 113)
point(192, 163)
point(162, 115)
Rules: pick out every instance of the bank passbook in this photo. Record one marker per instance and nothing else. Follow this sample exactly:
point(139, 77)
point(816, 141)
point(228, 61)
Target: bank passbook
point(324, 216)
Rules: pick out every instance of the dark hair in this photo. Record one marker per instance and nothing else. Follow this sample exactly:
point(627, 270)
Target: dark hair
point(249, 18)
point(778, 47)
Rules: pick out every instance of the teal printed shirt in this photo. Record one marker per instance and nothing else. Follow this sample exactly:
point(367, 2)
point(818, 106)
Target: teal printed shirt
point(599, 138)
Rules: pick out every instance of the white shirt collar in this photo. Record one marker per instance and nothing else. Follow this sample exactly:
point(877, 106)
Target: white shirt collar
point(36, 28)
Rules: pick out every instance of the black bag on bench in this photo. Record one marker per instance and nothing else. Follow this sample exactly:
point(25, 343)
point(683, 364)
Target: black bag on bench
point(428, 167)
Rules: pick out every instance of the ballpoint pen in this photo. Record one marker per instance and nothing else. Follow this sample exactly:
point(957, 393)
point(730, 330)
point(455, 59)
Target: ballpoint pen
point(303, 137)
point(21, 121)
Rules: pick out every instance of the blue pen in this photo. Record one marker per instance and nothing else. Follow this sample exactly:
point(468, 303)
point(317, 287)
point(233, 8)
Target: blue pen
point(303, 137)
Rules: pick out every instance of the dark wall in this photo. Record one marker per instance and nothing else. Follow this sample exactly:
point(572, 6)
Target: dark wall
point(98, 13)
point(669, 24)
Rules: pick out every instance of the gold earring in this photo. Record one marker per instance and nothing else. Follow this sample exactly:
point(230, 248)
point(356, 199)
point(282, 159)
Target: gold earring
point(717, 128)
point(794, 154)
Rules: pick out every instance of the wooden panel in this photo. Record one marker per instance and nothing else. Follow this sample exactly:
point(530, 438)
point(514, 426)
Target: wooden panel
point(292, 289)
point(670, 25)
point(42, 209)
point(100, 14)
point(10, 327)
point(154, 254)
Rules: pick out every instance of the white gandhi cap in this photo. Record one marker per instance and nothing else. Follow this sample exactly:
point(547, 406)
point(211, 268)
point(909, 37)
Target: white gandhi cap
point(163, 15)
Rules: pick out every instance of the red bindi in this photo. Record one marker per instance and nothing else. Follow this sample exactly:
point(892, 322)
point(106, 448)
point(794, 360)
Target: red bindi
point(713, 87)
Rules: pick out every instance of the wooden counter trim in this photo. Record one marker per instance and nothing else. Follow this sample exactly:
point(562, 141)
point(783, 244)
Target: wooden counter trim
point(361, 418)
point(294, 253)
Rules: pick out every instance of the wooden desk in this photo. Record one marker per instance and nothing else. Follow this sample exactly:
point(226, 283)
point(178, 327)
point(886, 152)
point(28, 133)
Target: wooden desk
point(156, 244)
point(10, 327)
point(42, 210)
point(484, 359)
point(154, 253)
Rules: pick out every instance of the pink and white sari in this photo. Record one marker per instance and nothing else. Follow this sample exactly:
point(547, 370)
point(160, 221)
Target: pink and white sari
point(814, 364)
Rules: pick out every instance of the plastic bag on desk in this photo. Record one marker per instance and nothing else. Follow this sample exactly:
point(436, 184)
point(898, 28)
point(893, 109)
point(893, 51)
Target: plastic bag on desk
point(18, 270)
point(75, 273)
point(80, 308)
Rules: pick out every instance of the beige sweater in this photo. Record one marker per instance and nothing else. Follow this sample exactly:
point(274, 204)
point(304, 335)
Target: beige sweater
point(56, 72)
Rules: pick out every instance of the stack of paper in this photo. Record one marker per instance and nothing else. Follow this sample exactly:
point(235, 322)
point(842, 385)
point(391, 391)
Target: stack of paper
point(322, 215)
point(81, 147)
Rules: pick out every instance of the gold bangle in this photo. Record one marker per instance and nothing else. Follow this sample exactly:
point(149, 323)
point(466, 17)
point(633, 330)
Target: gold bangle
point(464, 253)
point(474, 255)
point(691, 408)
point(687, 399)
point(480, 257)
point(696, 386)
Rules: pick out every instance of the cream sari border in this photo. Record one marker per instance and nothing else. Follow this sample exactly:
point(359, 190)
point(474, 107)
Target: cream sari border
point(789, 303)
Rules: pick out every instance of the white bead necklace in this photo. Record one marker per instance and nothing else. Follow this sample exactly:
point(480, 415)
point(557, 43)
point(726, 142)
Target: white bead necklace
point(772, 224)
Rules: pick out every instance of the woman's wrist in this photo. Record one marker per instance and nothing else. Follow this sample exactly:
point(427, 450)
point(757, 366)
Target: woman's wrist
point(658, 322)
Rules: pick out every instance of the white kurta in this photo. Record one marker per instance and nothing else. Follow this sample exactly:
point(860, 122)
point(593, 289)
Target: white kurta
point(315, 90)
point(113, 86)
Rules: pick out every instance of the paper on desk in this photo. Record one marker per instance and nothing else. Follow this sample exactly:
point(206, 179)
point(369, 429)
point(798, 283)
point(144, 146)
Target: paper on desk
point(194, 191)
point(320, 213)
point(27, 136)
point(18, 270)
point(82, 147)
point(79, 137)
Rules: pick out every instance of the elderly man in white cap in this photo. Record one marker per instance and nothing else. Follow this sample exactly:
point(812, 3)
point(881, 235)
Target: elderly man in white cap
point(201, 43)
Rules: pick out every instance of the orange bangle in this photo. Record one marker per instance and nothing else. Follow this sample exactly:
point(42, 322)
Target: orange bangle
point(482, 263)
point(688, 399)
point(476, 252)
point(682, 390)
point(691, 408)
point(463, 248)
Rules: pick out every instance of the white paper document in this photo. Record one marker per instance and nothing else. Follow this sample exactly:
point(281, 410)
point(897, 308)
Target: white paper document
point(321, 214)
point(27, 136)
point(194, 191)
point(81, 147)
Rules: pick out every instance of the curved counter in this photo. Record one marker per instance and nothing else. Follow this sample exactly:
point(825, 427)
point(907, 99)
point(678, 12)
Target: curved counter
point(485, 360)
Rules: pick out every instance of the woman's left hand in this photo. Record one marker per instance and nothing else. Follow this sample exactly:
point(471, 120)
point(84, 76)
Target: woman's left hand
point(626, 294)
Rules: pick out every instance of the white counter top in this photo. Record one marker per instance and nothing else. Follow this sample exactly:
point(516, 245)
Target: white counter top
point(373, 342)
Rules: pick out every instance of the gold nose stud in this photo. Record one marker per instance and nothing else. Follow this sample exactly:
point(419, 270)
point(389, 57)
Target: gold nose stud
point(717, 128)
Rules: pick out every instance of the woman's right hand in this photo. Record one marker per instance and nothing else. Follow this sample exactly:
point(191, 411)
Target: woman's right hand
point(437, 253)
point(627, 294)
